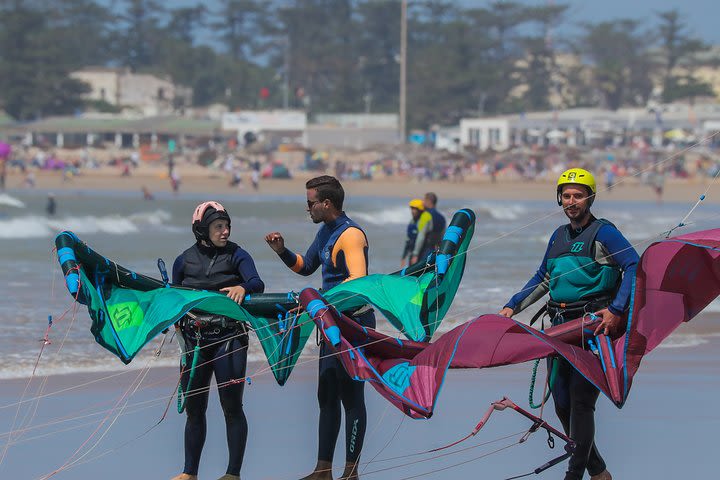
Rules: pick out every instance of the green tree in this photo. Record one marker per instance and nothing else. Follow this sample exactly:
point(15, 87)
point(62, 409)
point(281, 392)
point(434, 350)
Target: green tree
point(240, 25)
point(442, 71)
point(678, 48)
point(140, 33)
point(318, 55)
point(620, 61)
point(379, 43)
point(540, 74)
point(34, 79)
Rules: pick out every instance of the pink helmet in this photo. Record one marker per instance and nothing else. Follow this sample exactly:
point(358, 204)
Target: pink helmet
point(204, 215)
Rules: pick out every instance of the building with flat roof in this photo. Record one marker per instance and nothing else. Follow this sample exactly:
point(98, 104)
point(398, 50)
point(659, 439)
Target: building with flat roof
point(591, 126)
point(141, 93)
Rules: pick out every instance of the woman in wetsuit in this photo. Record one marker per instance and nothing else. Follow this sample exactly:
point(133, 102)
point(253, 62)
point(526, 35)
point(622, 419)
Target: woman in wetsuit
point(214, 263)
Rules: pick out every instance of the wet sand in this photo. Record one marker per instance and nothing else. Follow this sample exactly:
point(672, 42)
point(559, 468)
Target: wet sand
point(666, 430)
point(201, 180)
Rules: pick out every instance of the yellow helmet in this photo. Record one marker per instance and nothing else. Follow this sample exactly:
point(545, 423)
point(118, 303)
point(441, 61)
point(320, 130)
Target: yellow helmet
point(577, 176)
point(417, 203)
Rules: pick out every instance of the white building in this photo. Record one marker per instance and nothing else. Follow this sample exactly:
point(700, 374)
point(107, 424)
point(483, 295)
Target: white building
point(485, 133)
point(278, 126)
point(590, 126)
point(141, 93)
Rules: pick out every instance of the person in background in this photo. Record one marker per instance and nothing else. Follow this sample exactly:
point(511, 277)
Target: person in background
point(51, 206)
point(417, 245)
point(437, 229)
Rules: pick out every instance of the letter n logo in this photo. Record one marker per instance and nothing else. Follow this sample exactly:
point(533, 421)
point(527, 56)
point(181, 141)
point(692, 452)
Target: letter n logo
point(577, 247)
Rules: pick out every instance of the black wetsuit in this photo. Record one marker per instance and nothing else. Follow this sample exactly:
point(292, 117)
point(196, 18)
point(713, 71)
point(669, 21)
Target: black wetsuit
point(335, 250)
point(581, 267)
point(223, 349)
point(574, 399)
point(335, 387)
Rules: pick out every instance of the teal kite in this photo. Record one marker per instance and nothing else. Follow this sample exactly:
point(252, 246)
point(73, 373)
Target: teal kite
point(129, 309)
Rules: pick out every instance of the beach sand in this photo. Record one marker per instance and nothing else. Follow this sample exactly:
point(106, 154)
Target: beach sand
point(665, 431)
point(201, 180)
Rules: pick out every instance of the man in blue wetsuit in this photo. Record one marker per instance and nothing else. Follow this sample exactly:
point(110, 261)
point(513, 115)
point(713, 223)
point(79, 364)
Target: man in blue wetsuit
point(588, 267)
point(436, 231)
point(417, 233)
point(341, 248)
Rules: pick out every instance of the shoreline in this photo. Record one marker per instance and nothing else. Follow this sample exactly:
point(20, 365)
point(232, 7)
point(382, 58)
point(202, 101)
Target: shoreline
point(198, 181)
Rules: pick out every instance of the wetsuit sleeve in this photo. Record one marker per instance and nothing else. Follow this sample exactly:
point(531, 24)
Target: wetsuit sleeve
point(353, 244)
point(535, 288)
point(304, 265)
point(178, 273)
point(410, 240)
point(245, 266)
point(424, 226)
point(627, 258)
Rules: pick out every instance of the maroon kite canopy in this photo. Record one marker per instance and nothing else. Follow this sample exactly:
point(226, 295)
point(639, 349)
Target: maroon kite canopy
point(676, 279)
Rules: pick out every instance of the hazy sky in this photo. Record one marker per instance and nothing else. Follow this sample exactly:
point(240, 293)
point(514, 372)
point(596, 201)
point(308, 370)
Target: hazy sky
point(701, 15)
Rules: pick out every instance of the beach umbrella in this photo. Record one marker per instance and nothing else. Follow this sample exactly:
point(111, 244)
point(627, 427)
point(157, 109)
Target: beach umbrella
point(555, 134)
point(675, 134)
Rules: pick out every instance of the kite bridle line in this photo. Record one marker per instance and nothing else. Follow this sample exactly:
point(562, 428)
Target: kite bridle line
point(657, 163)
point(45, 341)
point(312, 360)
point(266, 369)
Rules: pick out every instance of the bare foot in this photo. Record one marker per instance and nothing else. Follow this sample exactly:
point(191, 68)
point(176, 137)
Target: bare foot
point(351, 471)
point(323, 471)
point(185, 476)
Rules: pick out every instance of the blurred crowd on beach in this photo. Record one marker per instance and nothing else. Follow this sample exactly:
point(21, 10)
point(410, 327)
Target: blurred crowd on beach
point(246, 167)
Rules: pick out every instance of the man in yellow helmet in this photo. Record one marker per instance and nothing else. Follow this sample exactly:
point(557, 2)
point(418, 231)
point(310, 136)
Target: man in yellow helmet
point(588, 268)
point(419, 241)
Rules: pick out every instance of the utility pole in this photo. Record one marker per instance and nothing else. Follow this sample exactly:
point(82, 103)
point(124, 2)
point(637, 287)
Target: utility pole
point(403, 69)
point(286, 85)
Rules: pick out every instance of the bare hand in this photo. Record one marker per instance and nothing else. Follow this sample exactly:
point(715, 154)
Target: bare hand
point(236, 293)
point(413, 260)
point(402, 263)
point(506, 312)
point(276, 242)
point(610, 322)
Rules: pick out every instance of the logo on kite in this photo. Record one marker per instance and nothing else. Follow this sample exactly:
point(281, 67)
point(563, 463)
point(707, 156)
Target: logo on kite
point(398, 377)
point(122, 317)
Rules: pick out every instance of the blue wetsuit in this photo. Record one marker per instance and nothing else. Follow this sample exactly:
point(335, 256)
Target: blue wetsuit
point(438, 230)
point(223, 350)
point(340, 247)
point(606, 254)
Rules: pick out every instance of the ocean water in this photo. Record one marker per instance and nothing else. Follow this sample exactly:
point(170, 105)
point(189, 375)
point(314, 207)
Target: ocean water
point(510, 239)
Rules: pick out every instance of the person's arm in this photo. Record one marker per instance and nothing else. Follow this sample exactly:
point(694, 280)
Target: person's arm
point(534, 289)
point(245, 266)
point(303, 264)
point(424, 226)
point(177, 272)
point(353, 245)
point(626, 257)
